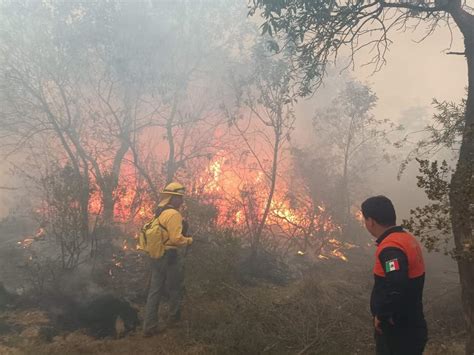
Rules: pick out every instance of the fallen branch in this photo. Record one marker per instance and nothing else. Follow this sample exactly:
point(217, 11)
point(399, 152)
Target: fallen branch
point(309, 346)
point(8, 188)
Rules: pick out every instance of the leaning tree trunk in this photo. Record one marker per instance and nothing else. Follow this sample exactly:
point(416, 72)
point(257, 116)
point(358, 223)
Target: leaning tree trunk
point(273, 177)
point(111, 181)
point(171, 167)
point(108, 205)
point(462, 190)
point(344, 192)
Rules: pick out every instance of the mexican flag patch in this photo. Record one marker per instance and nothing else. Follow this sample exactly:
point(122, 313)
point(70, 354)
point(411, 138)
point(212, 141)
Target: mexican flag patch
point(392, 265)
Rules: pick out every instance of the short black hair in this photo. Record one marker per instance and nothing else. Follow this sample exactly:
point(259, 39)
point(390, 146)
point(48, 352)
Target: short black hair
point(380, 209)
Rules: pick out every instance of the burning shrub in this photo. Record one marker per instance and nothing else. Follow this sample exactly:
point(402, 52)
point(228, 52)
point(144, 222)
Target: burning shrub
point(202, 216)
point(41, 275)
point(66, 213)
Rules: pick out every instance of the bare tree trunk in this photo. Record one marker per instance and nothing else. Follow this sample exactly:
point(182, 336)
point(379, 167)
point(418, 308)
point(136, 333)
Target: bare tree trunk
point(462, 186)
point(171, 163)
point(112, 181)
point(108, 204)
point(143, 171)
point(462, 209)
point(273, 178)
point(345, 176)
point(84, 201)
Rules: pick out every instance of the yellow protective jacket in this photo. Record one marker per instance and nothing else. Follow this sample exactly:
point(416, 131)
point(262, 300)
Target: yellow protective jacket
point(162, 233)
point(172, 220)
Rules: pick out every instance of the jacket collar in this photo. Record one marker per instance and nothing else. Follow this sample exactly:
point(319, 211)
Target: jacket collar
point(388, 232)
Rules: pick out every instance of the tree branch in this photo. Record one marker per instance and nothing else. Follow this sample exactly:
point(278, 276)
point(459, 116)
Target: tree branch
point(413, 7)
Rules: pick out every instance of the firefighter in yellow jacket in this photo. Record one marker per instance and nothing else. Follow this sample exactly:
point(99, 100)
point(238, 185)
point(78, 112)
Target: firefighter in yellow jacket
point(163, 237)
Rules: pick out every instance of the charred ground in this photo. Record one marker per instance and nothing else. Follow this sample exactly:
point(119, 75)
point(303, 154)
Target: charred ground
point(296, 306)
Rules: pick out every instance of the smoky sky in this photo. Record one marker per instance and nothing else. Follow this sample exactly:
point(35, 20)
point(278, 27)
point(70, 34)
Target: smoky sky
point(415, 73)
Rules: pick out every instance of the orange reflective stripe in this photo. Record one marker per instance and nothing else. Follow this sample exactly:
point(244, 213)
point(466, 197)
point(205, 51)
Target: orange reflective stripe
point(410, 246)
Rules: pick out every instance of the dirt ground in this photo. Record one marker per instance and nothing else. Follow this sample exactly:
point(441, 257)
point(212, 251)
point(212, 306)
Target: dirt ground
point(183, 339)
point(322, 311)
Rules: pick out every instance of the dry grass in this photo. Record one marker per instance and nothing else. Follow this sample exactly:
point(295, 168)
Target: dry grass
point(324, 312)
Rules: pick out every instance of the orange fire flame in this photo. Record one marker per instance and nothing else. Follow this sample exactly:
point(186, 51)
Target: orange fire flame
point(25, 243)
point(239, 194)
point(238, 188)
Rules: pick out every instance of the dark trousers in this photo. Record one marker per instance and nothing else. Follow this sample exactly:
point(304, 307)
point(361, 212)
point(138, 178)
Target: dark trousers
point(167, 276)
point(401, 340)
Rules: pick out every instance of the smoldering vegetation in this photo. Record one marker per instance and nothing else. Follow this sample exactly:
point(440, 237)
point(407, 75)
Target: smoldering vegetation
point(102, 103)
point(302, 306)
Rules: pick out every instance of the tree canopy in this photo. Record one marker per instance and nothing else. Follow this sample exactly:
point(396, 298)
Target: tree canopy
point(320, 29)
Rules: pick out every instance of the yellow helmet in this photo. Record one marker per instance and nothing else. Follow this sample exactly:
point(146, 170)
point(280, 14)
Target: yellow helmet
point(174, 188)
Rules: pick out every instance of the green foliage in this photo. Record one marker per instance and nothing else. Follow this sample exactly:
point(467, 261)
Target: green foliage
point(432, 222)
point(353, 140)
point(444, 132)
point(320, 29)
point(448, 125)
